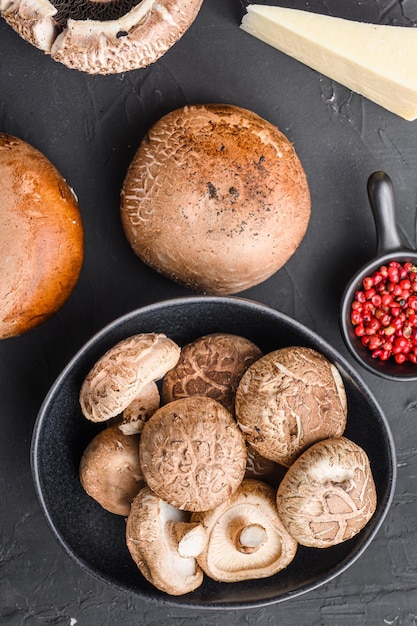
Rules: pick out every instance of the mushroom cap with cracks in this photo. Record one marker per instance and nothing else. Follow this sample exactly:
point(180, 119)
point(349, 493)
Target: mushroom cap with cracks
point(289, 399)
point(328, 495)
point(215, 198)
point(212, 366)
point(164, 544)
point(110, 470)
point(192, 453)
point(245, 537)
point(119, 376)
point(101, 37)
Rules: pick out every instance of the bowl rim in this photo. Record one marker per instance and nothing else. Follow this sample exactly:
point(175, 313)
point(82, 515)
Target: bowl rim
point(166, 599)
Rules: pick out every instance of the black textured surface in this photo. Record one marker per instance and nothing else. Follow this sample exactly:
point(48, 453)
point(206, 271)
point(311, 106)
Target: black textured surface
point(90, 127)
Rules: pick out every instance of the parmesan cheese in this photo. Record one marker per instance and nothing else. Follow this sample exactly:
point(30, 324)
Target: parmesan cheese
point(374, 60)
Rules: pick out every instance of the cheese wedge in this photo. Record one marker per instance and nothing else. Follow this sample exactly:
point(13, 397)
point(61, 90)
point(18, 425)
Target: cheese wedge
point(374, 60)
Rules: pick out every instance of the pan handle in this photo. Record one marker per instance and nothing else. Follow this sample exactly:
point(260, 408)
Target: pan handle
point(381, 198)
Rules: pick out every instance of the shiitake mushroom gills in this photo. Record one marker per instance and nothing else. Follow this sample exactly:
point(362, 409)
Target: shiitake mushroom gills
point(215, 198)
point(100, 37)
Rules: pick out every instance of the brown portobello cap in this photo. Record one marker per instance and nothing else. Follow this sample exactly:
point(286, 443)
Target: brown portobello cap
point(288, 400)
point(99, 36)
point(328, 495)
point(41, 238)
point(210, 366)
point(215, 198)
point(110, 470)
point(245, 536)
point(192, 453)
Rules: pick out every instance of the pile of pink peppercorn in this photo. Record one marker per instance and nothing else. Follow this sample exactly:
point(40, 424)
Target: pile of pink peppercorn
point(384, 312)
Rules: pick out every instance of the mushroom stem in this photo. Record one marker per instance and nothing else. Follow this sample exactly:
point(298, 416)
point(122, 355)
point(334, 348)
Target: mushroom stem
point(247, 537)
point(189, 538)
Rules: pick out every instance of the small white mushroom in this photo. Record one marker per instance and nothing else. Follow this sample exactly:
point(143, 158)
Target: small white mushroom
point(328, 495)
point(110, 470)
point(122, 373)
point(289, 399)
point(245, 536)
point(164, 544)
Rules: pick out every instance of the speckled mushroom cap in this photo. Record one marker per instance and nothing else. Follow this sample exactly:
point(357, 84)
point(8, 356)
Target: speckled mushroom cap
point(123, 372)
point(212, 366)
point(41, 238)
point(215, 198)
point(328, 495)
point(110, 470)
point(101, 37)
point(245, 537)
point(192, 453)
point(289, 399)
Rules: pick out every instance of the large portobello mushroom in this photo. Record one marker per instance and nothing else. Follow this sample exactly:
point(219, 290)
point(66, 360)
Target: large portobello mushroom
point(215, 198)
point(99, 36)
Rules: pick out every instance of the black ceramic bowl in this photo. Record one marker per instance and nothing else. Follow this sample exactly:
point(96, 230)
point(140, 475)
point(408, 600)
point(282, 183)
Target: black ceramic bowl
point(95, 539)
point(389, 248)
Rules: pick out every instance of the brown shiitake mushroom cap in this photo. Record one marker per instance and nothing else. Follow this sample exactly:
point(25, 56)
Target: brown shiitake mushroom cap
point(101, 37)
point(41, 238)
point(110, 470)
point(123, 372)
point(156, 548)
point(215, 198)
point(328, 495)
point(212, 366)
point(288, 400)
point(245, 536)
point(192, 453)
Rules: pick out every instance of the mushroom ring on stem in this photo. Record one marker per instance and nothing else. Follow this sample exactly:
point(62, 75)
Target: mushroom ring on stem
point(164, 544)
point(328, 495)
point(245, 536)
point(123, 372)
point(110, 470)
point(288, 400)
point(192, 453)
point(101, 36)
point(212, 366)
point(215, 198)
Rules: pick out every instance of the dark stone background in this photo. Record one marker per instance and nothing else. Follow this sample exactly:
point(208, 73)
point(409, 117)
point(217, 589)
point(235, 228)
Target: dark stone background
point(90, 127)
